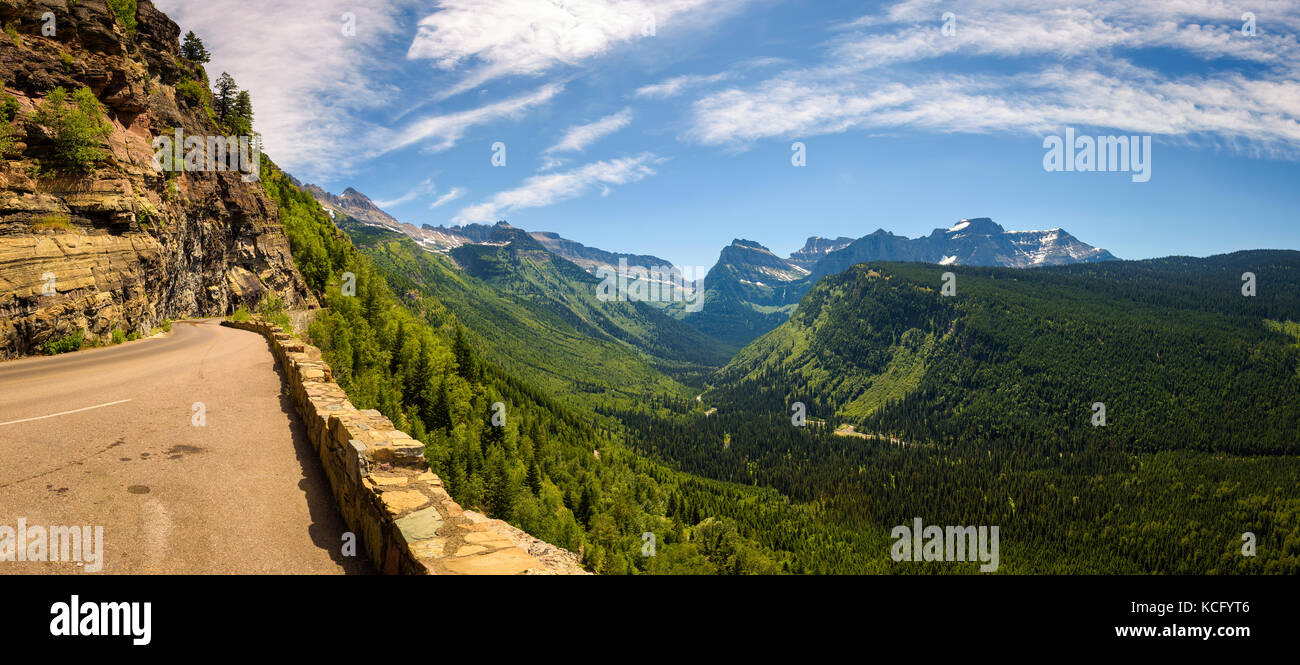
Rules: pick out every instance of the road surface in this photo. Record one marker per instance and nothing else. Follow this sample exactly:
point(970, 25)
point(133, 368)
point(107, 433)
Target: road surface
point(109, 437)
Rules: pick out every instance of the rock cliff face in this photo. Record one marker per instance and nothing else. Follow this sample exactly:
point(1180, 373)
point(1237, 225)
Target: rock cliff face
point(124, 245)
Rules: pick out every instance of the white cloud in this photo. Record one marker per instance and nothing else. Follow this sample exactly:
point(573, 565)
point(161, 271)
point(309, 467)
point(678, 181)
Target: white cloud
point(1063, 64)
point(677, 85)
point(307, 79)
point(496, 38)
point(446, 129)
point(1208, 29)
point(577, 138)
point(455, 193)
point(425, 187)
point(550, 188)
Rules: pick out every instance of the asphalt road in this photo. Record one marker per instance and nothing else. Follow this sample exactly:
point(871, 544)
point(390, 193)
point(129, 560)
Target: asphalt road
point(106, 437)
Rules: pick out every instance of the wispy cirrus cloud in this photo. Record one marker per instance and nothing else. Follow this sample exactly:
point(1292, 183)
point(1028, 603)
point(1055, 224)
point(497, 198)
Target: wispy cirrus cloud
point(489, 39)
point(579, 137)
point(309, 95)
point(676, 85)
point(424, 188)
point(550, 188)
point(1062, 63)
point(455, 193)
point(442, 131)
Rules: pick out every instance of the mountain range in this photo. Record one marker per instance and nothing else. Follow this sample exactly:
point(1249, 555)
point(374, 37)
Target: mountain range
point(751, 290)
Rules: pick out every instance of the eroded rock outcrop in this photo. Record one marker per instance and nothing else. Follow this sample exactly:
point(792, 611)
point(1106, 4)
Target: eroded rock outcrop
point(124, 245)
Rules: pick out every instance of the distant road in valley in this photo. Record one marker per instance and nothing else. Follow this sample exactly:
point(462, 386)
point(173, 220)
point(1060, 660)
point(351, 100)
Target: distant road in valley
point(105, 437)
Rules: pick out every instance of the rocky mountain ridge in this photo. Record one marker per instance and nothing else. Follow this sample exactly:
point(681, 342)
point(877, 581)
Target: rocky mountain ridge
point(122, 245)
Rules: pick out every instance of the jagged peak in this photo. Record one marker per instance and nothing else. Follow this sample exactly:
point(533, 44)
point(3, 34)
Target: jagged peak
point(750, 244)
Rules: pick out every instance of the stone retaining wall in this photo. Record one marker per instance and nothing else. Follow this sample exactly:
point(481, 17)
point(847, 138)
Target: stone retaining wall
point(398, 508)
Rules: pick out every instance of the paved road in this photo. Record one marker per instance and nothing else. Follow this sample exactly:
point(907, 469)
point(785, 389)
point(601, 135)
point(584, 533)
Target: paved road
point(244, 493)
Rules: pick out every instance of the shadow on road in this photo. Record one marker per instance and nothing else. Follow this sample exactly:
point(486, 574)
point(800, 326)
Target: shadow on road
point(327, 525)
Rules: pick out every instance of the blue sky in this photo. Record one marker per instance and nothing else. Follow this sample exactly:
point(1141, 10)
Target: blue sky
point(666, 126)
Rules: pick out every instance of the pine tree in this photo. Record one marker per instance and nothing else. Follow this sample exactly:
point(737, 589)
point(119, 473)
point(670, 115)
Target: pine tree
point(586, 505)
point(224, 98)
point(399, 341)
point(242, 114)
point(192, 49)
point(492, 434)
point(535, 478)
point(464, 356)
point(500, 488)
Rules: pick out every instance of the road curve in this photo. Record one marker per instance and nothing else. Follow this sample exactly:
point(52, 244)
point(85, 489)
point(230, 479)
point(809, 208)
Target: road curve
point(106, 437)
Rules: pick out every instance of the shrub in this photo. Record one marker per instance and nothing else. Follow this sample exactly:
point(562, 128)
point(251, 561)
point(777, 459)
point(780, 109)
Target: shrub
point(241, 314)
point(273, 310)
point(166, 325)
point(8, 106)
point(118, 336)
point(13, 34)
point(8, 137)
point(65, 344)
point(69, 62)
point(192, 90)
point(77, 126)
point(125, 12)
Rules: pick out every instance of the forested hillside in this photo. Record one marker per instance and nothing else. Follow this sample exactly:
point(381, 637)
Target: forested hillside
point(977, 409)
point(538, 314)
point(550, 470)
point(1178, 356)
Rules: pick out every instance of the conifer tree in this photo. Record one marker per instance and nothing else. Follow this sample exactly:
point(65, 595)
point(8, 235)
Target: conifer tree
point(224, 98)
point(192, 49)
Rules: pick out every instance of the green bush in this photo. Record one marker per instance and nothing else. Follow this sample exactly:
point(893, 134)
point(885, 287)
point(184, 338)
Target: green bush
point(192, 91)
point(65, 344)
point(118, 336)
point(241, 314)
point(13, 34)
point(125, 12)
point(165, 325)
point(8, 106)
point(78, 127)
point(273, 310)
point(8, 111)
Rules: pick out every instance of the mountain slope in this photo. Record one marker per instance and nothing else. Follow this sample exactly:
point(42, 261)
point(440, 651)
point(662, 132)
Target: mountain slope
point(748, 291)
point(358, 206)
point(538, 314)
point(1179, 357)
